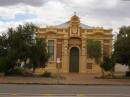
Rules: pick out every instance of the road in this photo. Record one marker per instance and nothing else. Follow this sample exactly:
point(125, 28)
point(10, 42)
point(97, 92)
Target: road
point(20, 90)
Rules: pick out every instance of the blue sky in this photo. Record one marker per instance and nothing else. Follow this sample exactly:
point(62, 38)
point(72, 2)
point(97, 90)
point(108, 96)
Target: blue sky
point(107, 13)
point(18, 17)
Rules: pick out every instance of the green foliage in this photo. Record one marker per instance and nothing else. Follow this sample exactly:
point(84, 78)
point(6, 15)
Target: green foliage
point(2, 65)
point(5, 65)
point(40, 55)
point(94, 50)
point(107, 64)
point(20, 40)
point(20, 44)
point(17, 71)
point(122, 46)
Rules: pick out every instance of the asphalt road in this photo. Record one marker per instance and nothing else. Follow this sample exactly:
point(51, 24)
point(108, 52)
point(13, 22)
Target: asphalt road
point(11, 90)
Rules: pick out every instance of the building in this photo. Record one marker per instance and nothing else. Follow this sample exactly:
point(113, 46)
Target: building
point(67, 43)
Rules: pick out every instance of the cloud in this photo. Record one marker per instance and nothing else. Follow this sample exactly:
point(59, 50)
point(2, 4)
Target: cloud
point(28, 2)
point(5, 26)
point(106, 13)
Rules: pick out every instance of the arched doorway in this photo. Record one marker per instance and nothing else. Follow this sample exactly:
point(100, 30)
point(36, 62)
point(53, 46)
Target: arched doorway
point(74, 60)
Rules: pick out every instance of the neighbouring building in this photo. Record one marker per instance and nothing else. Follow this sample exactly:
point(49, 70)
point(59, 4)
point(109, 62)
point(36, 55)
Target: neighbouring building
point(67, 42)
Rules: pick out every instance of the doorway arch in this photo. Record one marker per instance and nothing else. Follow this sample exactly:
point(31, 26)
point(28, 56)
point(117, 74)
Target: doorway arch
point(74, 60)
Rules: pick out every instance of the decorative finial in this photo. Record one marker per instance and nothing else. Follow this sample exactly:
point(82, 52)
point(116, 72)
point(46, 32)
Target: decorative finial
point(75, 13)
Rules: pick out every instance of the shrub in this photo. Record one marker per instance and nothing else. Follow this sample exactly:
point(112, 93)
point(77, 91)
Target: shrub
point(4, 67)
point(107, 64)
point(17, 71)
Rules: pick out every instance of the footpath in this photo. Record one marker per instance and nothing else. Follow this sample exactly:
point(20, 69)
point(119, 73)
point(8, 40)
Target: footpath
point(67, 79)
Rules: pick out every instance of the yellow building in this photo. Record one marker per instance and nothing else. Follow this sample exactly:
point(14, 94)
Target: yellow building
point(67, 42)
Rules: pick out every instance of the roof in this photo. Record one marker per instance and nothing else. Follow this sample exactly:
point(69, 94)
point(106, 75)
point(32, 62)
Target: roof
point(67, 24)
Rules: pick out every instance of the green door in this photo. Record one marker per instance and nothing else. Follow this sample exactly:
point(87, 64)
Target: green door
point(74, 60)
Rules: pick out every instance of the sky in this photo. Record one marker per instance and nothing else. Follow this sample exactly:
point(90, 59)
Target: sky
point(98, 13)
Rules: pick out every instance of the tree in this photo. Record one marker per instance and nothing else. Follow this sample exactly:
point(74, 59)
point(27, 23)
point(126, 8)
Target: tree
point(5, 65)
point(94, 50)
point(3, 52)
point(39, 56)
point(20, 41)
point(122, 46)
point(108, 65)
point(21, 44)
point(3, 42)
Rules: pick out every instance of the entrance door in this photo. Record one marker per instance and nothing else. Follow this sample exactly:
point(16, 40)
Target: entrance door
point(74, 60)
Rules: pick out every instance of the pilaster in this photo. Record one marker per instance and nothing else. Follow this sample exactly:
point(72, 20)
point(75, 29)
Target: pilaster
point(82, 64)
point(65, 56)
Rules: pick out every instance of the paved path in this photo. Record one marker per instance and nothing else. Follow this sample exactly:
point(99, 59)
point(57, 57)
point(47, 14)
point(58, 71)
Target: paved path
point(90, 79)
point(81, 95)
point(67, 79)
point(63, 90)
